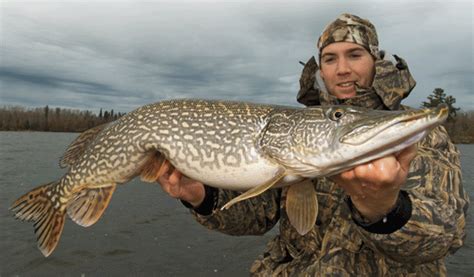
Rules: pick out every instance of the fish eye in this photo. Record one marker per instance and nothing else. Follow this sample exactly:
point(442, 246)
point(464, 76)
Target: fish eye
point(337, 114)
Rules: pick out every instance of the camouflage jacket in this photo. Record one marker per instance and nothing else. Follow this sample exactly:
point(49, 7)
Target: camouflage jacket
point(337, 245)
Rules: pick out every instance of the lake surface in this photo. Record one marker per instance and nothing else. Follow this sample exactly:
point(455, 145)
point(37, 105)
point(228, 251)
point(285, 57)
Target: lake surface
point(142, 233)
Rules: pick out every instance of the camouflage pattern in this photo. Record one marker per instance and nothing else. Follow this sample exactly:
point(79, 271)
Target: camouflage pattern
point(392, 83)
point(336, 245)
point(350, 28)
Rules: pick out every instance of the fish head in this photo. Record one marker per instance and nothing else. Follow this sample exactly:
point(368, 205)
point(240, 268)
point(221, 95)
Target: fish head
point(334, 139)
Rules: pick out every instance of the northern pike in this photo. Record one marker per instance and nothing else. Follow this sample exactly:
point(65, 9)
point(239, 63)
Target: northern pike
point(230, 145)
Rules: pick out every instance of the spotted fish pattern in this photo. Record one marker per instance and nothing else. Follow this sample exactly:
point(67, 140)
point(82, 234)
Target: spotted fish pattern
point(336, 245)
point(232, 145)
point(187, 132)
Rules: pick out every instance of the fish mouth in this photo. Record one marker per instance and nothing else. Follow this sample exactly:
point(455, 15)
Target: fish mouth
point(397, 133)
point(408, 122)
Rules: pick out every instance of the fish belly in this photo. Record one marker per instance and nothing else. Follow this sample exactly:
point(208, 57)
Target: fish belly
point(242, 177)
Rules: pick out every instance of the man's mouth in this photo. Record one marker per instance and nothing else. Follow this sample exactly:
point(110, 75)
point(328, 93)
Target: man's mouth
point(346, 84)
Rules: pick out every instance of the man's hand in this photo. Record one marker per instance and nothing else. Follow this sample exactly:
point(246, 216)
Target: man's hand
point(178, 186)
point(374, 186)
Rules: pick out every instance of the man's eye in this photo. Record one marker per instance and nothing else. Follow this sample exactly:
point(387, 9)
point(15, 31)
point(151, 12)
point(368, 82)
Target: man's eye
point(328, 60)
point(355, 56)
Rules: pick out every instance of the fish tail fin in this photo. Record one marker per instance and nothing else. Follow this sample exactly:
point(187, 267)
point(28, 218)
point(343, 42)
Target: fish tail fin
point(48, 215)
point(154, 167)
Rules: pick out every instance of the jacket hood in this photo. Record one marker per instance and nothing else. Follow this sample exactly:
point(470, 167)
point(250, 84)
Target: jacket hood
point(392, 83)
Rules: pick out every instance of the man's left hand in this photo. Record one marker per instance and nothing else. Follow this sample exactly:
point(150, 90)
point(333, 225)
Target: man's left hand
point(374, 186)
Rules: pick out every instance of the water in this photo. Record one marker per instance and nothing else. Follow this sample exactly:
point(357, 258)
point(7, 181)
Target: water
point(143, 232)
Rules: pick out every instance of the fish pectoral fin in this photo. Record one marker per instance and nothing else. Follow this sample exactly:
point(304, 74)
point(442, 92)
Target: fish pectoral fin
point(88, 205)
point(79, 145)
point(302, 206)
point(256, 190)
point(38, 206)
point(154, 167)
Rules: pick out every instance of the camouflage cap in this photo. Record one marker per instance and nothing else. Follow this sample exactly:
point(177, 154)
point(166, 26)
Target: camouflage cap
point(350, 28)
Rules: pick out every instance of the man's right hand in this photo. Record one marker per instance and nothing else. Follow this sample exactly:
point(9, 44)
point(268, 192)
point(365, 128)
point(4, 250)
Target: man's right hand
point(180, 187)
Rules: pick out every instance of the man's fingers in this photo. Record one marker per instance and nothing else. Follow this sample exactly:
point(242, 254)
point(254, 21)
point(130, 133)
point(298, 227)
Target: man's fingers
point(175, 177)
point(344, 176)
point(347, 181)
point(169, 181)
point(165, 167)
point(363, 170)
point(371, 179)
point(406, 156)
point(164, 179)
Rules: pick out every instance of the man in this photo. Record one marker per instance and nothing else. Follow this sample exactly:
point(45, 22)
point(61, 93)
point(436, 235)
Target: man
point(397, 215)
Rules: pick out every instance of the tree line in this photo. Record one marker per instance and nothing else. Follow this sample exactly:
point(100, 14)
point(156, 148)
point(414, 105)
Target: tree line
point(461, 129)
point(15, 118)
point(460, 124)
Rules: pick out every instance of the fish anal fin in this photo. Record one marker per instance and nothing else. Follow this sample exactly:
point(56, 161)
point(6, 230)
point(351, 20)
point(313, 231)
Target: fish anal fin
point(48, 216)
point(88, 205)
point(256, 190)
point(302, 206)
point(79, 145)
point(154, 167)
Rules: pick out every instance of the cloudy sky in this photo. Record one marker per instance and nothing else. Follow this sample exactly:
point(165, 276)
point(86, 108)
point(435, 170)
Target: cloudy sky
point(123, 54)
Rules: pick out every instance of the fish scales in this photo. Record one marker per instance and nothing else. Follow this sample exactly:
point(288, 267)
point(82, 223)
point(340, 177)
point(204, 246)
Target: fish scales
point(215, 147)
point(217, 140)
point(231, 145)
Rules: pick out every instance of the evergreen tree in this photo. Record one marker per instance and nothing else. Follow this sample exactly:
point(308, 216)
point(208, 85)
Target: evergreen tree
point(439, 97)
point(46, 114)
point(27, 125)
point(452, 110)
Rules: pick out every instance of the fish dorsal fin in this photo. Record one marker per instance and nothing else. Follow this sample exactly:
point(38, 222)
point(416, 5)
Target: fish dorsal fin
point(302, 206)
point(88, 205)
point(256, 190)
point(79, 145)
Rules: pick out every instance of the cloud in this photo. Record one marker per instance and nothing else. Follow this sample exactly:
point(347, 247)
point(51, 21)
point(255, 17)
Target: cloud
point(125, 54)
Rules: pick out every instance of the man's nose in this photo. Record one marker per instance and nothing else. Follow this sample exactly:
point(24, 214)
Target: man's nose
point(343, 67)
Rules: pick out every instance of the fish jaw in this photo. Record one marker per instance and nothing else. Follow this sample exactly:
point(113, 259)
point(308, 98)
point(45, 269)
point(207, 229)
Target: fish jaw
point(394, 132)
point(407, 122)
point(323, 141)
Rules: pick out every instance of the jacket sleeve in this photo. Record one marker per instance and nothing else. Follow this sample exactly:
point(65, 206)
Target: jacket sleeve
point(254, 216)
point(439, 206)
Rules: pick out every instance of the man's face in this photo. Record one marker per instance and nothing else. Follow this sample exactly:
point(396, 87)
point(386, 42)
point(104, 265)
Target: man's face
point(343, 64)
